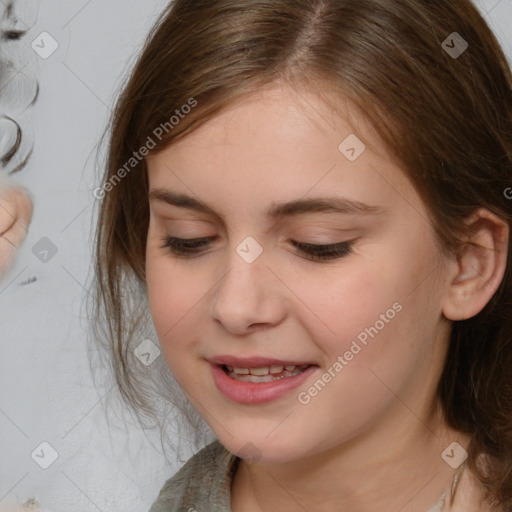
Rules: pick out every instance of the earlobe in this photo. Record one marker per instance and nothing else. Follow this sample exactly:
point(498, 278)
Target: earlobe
point(479, 267)
point(15, 216)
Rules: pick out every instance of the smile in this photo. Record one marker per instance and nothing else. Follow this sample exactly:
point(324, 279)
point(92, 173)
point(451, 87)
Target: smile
point(258, 385)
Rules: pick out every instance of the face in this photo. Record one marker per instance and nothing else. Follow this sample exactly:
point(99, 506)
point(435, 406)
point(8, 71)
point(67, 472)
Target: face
point(366, 313)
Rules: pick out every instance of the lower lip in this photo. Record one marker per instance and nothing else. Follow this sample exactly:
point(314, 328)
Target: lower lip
point(254, 393)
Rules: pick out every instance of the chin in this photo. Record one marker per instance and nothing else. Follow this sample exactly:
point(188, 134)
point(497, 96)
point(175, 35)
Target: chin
point(258, 449)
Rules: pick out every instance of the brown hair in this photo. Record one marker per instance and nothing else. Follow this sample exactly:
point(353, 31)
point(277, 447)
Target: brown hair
point(446, 119)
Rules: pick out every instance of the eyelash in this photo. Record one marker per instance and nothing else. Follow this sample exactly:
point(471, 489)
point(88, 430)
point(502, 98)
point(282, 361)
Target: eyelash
point(187, 248)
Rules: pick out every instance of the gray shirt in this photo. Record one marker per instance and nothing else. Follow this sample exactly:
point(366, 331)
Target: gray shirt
point(203, 484)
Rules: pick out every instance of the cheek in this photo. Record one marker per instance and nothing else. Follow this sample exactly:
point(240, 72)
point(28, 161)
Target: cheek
point(373, 309)
point(173, 297)
point(340, 303)
point(377, 334)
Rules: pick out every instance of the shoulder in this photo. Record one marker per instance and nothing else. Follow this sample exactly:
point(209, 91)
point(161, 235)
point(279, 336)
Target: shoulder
point(204, 479)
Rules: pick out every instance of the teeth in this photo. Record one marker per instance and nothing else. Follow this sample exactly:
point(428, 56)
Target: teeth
point(259, 371)
point(265, 370)
point(265, 374)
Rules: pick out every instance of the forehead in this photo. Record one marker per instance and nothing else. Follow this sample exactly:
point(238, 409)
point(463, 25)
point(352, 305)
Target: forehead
point(280, 144)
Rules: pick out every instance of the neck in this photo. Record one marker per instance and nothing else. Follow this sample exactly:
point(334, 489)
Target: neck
point(398, 467)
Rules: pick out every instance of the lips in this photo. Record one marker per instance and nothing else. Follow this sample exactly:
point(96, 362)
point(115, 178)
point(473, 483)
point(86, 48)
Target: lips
point(256, 362)
point(262, 391)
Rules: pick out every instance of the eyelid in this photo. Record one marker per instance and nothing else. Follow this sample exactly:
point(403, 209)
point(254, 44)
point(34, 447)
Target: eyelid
point(322, 236)
point(316, 221)
point(296, 240)
point(190, 248)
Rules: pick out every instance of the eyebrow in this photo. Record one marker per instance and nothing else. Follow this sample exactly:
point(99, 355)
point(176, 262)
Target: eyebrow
point(277, 209)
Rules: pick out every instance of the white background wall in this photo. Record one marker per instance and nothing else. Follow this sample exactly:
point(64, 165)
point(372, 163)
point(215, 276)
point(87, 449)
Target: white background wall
point(46, 391)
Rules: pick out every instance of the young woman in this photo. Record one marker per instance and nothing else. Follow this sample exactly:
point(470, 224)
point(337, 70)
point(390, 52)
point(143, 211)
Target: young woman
point(310, 203)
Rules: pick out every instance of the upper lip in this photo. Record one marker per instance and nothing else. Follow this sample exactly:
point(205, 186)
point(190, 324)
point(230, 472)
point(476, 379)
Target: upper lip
point(254, 362)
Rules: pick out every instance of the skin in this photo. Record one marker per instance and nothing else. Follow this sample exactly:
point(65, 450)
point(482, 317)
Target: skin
point(372, 439)
point(16, 209)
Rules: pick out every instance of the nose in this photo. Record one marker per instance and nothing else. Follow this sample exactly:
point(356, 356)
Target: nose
point(249, 296)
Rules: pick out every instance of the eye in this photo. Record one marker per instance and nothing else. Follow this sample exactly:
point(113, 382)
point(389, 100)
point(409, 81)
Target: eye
point(184, 247)
point(324, 252)
point(188, 248)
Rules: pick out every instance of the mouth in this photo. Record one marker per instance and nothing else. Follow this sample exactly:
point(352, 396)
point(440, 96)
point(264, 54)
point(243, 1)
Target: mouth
point(264, 373)
point(258, 384)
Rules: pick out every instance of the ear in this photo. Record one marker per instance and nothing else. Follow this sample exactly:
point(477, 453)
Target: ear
point(15, 216)
point(479, 267)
